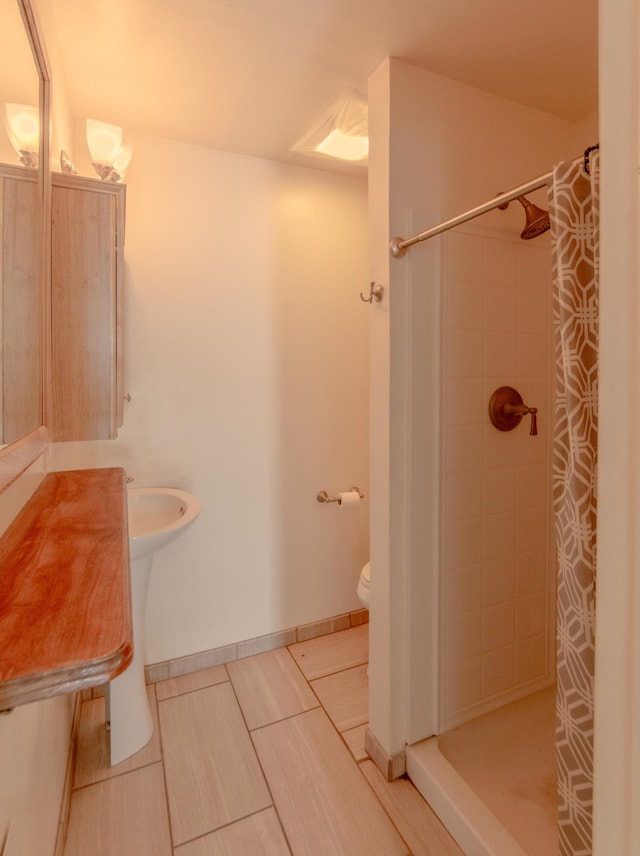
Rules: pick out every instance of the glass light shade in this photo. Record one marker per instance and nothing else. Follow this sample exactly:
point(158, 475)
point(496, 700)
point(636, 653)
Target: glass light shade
point(104, 141)
point(110, 151)
point(23, 129)
point(337, 144)
point(123, 158)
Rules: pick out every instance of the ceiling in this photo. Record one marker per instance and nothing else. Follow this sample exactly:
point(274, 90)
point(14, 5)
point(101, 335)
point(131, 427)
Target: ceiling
point(251, 76)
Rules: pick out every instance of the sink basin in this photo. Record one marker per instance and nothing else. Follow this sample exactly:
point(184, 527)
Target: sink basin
point(157, 515)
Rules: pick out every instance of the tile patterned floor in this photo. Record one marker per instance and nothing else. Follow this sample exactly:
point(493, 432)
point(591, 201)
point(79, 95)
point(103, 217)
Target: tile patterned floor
point(262, 757)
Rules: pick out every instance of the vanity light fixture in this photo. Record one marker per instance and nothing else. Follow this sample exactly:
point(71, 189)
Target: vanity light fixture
point(23, 130)
point(110, 151)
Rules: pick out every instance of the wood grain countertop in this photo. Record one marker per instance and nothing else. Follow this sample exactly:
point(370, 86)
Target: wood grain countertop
point(65, 599)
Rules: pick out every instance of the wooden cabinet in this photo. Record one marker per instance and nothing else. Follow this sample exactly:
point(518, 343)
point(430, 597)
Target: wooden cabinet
point(87, 242)
point(20, 304)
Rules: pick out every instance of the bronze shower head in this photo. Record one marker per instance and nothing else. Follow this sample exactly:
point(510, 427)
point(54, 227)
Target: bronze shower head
point(537, 220)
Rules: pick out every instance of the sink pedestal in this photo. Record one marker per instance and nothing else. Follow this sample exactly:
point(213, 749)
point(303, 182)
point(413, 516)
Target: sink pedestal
point(157, 516)
point(128, 710)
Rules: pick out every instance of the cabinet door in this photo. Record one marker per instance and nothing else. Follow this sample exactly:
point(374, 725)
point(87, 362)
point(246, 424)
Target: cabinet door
point(20, 306)
point(86, 322)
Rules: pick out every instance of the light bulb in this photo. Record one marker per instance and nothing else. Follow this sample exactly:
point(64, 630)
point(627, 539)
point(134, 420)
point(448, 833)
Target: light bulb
point(23, 129)
point(337, 144)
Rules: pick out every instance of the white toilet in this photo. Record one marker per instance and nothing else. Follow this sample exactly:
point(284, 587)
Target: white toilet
point(363, 586)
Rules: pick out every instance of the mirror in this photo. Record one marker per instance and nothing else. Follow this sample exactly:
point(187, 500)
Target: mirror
point(24, 197)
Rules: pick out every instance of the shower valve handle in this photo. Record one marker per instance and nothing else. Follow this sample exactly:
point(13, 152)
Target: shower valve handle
point(506, 409)
point(522, 410)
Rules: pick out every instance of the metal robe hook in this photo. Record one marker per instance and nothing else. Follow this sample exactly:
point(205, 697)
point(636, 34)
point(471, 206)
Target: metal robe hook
point(376, 293)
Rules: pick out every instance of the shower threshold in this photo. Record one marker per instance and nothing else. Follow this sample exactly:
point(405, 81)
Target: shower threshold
point(492, 780)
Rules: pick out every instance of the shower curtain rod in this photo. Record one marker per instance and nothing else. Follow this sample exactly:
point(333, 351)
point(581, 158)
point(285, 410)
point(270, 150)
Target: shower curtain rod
point(399, 246)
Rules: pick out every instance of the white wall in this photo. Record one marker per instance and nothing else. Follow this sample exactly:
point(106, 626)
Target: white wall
point(451, 147)
point(246, 352)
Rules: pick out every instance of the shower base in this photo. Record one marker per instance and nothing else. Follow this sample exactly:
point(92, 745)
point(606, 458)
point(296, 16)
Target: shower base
point(492, 781)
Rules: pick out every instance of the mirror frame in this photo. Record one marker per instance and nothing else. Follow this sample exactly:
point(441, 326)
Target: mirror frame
point(16, 457)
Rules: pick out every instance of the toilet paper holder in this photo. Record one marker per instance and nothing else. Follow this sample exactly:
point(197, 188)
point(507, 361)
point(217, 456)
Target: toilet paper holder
point(323, 496)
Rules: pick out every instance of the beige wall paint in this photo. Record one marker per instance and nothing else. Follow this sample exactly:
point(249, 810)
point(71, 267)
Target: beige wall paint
point(246, 352)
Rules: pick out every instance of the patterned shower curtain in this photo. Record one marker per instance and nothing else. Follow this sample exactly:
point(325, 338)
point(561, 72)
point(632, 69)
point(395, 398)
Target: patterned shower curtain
point(575, 229)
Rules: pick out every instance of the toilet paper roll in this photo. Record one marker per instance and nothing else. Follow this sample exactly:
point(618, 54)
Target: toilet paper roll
point(349, 497)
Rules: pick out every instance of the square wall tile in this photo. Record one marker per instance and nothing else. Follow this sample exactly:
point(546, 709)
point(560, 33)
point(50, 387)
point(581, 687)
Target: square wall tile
point(531, 572)
point(465, 401)
point(498, 671)
point(500, 309)
point(498, 536)
point(530, 659)
point(532, 355)
point(464, 353)
point(500, 262)
point(464, 255)
point(464, 305)
point(534, 312)
point(463, 542)
point(498, 625)
point(498, 580)
point(464, 448)
point(531, 615)
point(499, 490)
point(462, 685)
point(464, 495)
point(499, 447)
point(463, 638)
point(463, 589)
point(534, 266)
point(532, 486)
point(531, 528)
point(500, 354)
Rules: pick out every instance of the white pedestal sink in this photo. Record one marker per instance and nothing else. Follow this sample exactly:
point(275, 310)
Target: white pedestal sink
point(157, 516)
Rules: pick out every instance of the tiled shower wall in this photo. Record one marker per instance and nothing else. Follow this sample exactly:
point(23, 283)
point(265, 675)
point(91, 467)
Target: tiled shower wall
point(498, 567)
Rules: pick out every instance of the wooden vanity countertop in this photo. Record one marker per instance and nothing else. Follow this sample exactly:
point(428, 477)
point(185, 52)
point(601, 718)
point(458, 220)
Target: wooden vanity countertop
point(65, 598)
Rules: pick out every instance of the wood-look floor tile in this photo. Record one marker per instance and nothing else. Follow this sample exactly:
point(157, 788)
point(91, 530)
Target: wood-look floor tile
point(93, 758)
point(270, 687)
point(354, 738)
point(345, 697)
point(412, 815)
point(213, 775)
point(123, 816)
point(323, 802)
point(258, 835)
point(193, 681)
point(332, 653)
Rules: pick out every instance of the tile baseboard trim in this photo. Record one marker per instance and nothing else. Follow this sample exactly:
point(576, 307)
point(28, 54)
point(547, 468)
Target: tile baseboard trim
point(258, 645)
point(391, 766)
